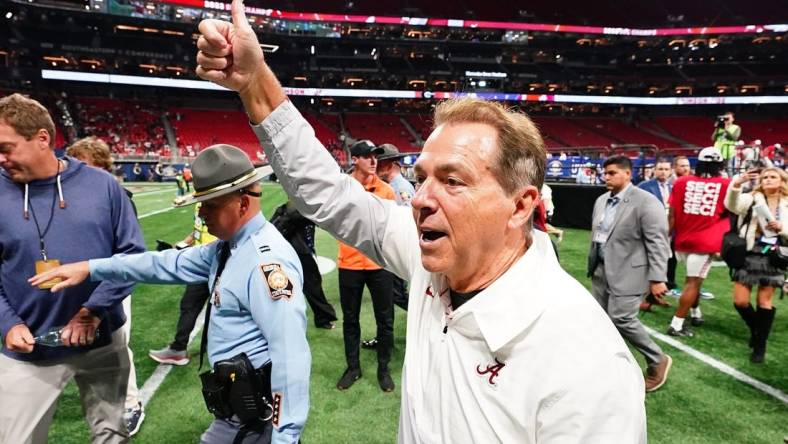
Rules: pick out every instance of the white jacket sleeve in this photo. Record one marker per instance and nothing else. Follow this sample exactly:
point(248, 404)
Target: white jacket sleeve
point(338, 204)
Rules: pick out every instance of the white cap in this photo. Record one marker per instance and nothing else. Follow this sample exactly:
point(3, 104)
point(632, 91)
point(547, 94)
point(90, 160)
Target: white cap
point(709, 154)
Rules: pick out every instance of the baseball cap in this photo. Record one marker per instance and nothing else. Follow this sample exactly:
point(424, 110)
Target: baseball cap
point(390, 152)
point(365, 147)
point(709, 154)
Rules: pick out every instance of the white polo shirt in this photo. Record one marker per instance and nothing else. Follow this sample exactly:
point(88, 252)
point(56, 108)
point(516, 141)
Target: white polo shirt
point(531, 359)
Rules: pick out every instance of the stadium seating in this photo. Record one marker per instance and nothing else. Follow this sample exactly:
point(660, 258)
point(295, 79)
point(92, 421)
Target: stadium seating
point(131, 128)
point(380, 128)
point(421, 124)
point(623, 132)
point(692, 129)
point(697, 129)
point(768, 131)
point(196, 129)
point(324, 133)
point(567, 133)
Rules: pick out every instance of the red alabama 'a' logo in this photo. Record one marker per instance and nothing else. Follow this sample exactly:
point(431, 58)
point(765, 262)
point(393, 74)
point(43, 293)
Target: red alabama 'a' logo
point(492, 370)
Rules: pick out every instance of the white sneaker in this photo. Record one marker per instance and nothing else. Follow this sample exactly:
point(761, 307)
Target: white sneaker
point(133, 418)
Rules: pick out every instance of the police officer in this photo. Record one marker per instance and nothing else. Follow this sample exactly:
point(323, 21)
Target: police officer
point(257, 315)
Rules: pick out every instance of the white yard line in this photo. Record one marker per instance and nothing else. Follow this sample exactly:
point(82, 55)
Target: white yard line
point(153, 213)
point(721, 366)
point(148, 193)
point(162, 370)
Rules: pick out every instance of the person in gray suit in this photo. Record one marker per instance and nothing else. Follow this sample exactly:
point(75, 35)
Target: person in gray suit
point(628, 260)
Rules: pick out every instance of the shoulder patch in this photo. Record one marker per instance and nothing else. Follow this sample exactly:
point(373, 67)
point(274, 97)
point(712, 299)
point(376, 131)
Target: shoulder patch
point(278, 284)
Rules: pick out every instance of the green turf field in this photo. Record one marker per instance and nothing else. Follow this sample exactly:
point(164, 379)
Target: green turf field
point(699, 404)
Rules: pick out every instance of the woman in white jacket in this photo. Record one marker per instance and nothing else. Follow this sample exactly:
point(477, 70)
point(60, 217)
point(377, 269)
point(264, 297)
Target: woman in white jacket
point(761, 233)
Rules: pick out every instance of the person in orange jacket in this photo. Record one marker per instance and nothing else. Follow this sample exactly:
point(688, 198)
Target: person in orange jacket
point(355, 271)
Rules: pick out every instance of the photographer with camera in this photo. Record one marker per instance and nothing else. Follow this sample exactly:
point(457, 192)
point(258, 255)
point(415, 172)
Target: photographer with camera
point(725, 135)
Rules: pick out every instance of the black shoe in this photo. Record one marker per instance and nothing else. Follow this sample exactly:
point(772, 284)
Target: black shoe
point(385, 381)
point(347, 380)
point(758, 356)
point(370, 344)
point(326, 325)
point(697, 322)
point(684, 332)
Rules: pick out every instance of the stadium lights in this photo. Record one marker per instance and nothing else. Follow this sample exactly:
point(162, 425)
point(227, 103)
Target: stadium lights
point(490, 74)
point(269, 48)
point(54, 59)
point(327, 93)
point(518, 27)
point(9, 15)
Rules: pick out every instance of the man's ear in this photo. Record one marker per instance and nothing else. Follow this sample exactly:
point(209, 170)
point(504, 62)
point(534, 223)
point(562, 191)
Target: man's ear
point(43, 137)
point(245, 203)
point(525, 202)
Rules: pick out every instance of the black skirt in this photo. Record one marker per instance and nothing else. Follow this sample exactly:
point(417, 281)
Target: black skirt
point(759, 271)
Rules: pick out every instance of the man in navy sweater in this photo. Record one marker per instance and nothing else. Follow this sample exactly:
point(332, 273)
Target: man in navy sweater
point(58, 210)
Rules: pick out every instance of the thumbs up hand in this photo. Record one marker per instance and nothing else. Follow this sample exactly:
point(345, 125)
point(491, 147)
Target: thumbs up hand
point(229, 53)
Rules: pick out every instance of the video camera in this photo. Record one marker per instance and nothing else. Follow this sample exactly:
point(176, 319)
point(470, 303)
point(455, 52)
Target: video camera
point(721, 120)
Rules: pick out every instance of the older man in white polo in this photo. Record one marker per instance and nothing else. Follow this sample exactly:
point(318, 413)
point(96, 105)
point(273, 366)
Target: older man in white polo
point(502, 344)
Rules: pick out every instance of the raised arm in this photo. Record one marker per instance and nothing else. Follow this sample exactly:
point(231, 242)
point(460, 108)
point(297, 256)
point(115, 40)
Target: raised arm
point(230, 56)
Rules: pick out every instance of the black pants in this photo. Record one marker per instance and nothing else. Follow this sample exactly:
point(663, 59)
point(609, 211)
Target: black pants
point(313, 291)
point(192, 301)
point(351, 289)
point(400, 294)
point(672, 266)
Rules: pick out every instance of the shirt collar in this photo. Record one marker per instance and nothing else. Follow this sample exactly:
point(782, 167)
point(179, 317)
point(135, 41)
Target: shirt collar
point(623, 193)
point(252, 226)
point(505, 309)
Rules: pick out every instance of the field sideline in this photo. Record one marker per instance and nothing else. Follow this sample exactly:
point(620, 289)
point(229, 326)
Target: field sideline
point(699, 404)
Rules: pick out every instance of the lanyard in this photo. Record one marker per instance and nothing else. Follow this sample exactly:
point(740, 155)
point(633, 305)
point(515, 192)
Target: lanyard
point(51, 217)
